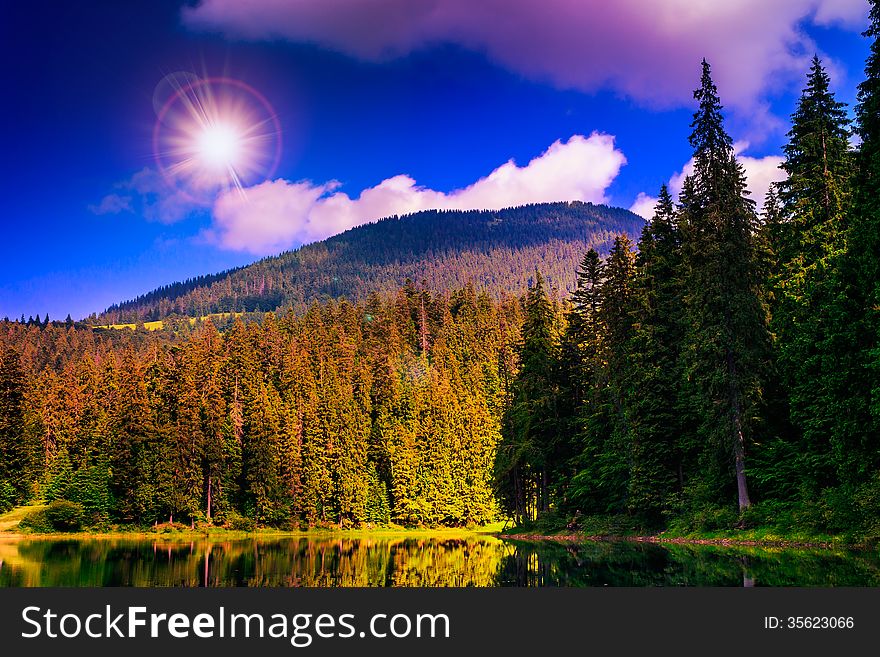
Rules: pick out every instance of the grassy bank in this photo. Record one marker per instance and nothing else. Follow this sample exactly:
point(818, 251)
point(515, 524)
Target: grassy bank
point(602, 528)
point(598, 528)
point(10, 527)
point(10, 520)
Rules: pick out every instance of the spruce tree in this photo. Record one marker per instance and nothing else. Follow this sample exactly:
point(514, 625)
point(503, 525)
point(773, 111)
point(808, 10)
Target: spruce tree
point(617, 320)
point(605, 461)
point(654, 352)
point(858, 307)
point(725, 347)
point(531, 423)
point(807, 240)
point(579, 368)
point(13, 464)
point(868, 209)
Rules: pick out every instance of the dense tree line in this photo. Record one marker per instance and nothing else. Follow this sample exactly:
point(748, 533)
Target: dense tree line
point(726, 369)
point(495, 251)
point(387, 411)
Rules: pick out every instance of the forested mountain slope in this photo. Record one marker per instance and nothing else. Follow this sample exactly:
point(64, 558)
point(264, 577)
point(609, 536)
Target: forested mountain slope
point(497, 251)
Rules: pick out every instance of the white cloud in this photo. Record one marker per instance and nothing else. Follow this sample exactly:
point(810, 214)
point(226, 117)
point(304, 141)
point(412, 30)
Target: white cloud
point(644, 205)
point(850, 13)
point(276, 215)
point(761, 172)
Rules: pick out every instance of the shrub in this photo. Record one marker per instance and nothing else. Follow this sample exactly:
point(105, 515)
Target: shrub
point(705, 518)
point(64, 515)
point(239, 523)
point(768, 513)
point(59, 516)
point(36, 521)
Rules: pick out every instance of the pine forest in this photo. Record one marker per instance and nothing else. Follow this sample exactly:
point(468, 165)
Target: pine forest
point(719, 369)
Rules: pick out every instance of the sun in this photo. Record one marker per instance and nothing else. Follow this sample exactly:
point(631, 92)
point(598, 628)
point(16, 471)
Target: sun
point(214, 134)
point(219, 146)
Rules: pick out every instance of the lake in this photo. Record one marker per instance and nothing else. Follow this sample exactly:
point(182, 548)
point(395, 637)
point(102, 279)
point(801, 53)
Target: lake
point(469, 560)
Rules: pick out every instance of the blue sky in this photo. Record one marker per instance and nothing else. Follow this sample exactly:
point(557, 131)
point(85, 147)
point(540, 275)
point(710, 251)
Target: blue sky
point(415, 111)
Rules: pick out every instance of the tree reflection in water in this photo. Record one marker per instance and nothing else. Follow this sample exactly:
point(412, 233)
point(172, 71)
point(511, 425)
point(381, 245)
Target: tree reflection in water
point(423, 561)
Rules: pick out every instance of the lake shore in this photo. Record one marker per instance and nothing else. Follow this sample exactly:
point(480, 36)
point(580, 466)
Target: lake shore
point(220, 533)
point(757, 537)
point(747, 540)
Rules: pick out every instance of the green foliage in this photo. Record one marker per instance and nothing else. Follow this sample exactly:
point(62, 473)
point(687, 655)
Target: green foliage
point(90, 488)
point(13, 438)
point(378, 511)
point(735, 358)
point(58, 516)
point(495, 250)
point(528, 451)
point(7, 496)
point(64, 515)
point(344, 416)
point(732, 357)
point(705, 518)
point(236, 522)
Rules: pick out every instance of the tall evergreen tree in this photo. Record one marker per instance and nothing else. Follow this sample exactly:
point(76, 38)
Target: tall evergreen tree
point(656, 418)
point(807, 240)
point(726, 343)
point(580, 367)
point(531, 424)
point(868, 211)
point(855, 439)
point(601, 485)
point(13, 445)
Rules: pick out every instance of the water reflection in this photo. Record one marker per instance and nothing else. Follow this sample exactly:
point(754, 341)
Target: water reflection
point(473, 560)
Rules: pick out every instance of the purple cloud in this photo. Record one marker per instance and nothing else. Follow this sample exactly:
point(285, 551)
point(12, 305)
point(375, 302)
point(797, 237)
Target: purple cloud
point(154, 198)
point(112, 204)
point(646, 51)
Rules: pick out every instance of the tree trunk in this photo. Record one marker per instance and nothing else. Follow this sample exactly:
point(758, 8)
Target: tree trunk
point(209, 499)
point(545, 496)
point(739, 450)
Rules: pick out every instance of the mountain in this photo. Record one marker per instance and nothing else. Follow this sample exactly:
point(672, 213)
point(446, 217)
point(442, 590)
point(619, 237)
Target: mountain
point(496, 251)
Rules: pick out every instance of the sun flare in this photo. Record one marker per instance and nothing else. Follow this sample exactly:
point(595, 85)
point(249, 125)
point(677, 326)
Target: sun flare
point(215, 133)
point(219, 145)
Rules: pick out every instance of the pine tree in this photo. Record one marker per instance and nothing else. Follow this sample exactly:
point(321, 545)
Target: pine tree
point(725, 349)
point(868, 209)
point(13, 464)
point(584, 328)
point(531, 425)
point(609, 429)
point(131, 440)
point(654, 353)
point(260, 451)
point(857, 343)
point(807, 240)
point(580, 370)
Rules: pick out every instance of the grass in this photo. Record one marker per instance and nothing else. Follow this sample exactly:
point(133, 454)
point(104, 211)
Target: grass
point(158, 325)
point(9, 524)
point(150, 326)
point(588, 527)
point(764, 535)
point(9, 520)
point(612, 527)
